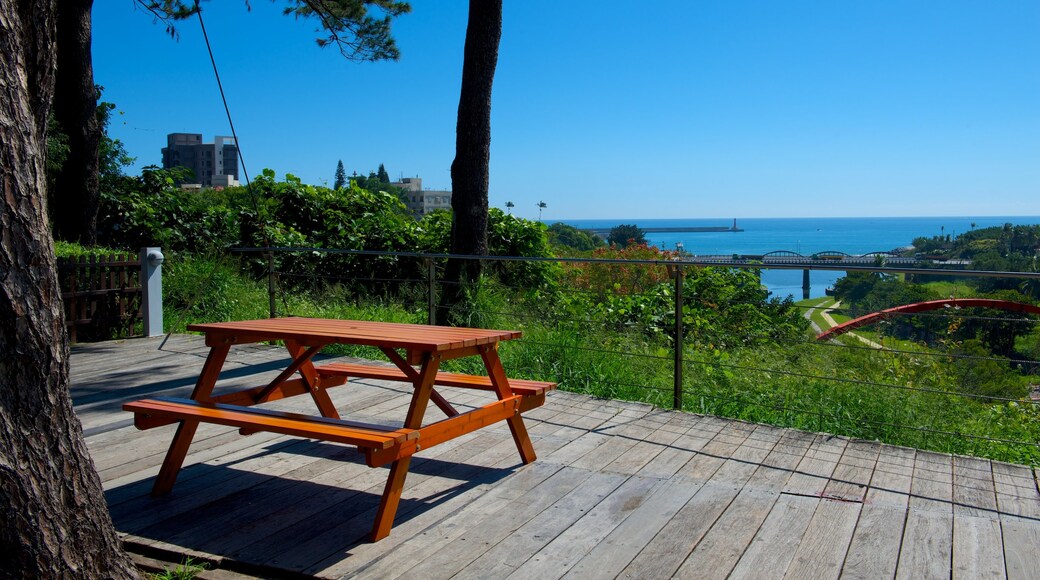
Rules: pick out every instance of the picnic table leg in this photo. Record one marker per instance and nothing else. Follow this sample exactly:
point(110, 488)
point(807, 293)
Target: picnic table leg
point(399, 469)
point(409, 372)
point(497, 374)
point(186, 429)
point(310, 378)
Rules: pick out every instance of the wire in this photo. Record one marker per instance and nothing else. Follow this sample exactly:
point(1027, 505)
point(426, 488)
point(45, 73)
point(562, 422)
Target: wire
point(234, 134)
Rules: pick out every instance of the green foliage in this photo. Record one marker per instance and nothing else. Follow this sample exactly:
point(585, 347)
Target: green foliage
point(57, 150)
point(507, 236)
point(600, 328)
point(149, 211)
point(605, 278)
point(297, 215)
point(347, 24)
point(569, 237)
point(744, 355)
point(626, 234)
point(866, 292)
point(187, 570)
point(1007, 248)
point(112, 155)
point(63, 249)
point(997, 329)
point(199, 288)
point(377, 182)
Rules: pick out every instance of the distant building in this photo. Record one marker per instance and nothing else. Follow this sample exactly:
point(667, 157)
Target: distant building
point(215, 164)
point(421, 201)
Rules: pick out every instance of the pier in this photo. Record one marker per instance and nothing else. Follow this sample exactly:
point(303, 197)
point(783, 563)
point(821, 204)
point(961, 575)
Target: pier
point(672, 230)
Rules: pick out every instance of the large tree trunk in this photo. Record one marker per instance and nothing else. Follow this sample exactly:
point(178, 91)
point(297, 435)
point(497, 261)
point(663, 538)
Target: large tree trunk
point(53, 518)
point(74, 201)
point(469, 171)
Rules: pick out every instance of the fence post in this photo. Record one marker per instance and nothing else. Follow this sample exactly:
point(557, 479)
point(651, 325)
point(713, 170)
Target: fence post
point(431, 293)
point(677, 346)
point(151, 290)
point(270, 285)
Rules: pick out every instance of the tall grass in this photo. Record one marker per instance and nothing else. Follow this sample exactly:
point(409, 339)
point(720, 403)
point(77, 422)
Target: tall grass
point(917, 399)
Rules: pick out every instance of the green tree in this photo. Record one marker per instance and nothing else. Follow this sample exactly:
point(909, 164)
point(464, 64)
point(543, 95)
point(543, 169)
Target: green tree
point(509, 207)
point(382, 175)
point(568, 236)
point(625, 234)
point(112, 155)
point(341, 176)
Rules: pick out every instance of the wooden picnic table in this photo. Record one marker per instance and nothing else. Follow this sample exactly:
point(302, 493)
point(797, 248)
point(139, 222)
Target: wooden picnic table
point(416, 351)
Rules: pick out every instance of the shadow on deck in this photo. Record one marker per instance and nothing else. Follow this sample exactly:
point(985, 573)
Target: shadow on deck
point(619, 490)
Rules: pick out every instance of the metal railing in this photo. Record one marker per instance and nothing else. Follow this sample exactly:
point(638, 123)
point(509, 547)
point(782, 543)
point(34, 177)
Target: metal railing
point(901, 393)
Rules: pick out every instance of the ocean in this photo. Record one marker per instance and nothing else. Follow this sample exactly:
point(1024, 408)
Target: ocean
point(805, 236)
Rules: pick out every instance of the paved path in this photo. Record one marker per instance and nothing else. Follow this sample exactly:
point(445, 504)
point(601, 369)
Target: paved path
point(826, 314)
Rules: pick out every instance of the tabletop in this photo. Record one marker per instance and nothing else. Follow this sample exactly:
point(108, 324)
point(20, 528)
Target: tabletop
point(310, 331)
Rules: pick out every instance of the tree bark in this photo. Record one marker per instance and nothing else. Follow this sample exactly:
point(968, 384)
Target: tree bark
point(53, 518)
point(470, 169)
point(74, 201)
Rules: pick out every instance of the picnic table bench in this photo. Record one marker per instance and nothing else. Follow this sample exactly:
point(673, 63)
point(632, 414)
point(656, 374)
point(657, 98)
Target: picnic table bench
point(404, 344)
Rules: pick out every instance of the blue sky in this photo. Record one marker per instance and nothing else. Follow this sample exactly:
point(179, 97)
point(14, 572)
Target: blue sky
point(621, 110)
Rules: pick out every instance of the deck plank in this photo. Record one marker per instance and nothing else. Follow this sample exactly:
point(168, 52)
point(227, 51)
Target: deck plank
point(717, 553)
point(615, 552)
point(928, 535)
point(635, 514)
point(497, 526)
point(822, 550)
point(774, 545)
point(874, 548)
point(814, 470)
point(1021, 538)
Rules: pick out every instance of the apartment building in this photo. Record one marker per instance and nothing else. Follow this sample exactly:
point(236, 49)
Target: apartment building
point(215, 164)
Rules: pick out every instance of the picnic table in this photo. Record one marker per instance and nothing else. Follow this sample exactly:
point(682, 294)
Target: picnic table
point(416, 351)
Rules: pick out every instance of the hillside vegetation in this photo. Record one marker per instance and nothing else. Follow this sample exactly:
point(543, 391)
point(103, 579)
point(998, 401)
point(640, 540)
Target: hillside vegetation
point(607, 329)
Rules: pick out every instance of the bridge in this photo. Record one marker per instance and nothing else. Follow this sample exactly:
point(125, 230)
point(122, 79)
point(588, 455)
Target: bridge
point(826, 260)
point(924, 307)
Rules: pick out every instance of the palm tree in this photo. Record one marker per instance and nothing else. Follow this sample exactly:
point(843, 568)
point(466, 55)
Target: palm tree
point(509, 207)
point(541, 206)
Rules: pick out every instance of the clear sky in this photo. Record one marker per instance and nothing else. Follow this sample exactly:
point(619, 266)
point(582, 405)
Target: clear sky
point(708, 108)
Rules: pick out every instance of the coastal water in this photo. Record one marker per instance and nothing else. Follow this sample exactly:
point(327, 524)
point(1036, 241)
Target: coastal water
point(805, 236)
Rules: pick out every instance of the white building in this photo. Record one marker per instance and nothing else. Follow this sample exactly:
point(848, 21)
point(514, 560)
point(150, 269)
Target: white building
point(421, 201)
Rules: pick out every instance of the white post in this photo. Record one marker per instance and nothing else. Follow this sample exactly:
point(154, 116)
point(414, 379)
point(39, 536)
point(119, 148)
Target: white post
point(151, 290)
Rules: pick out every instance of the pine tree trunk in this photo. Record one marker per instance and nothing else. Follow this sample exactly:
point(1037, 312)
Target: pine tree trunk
point(53, 518)
point(469, 170)
point(74, 201)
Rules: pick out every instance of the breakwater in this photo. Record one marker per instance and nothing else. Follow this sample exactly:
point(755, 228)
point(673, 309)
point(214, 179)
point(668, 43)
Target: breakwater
point(605, 231)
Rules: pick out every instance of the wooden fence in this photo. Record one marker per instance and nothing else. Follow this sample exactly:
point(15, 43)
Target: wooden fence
point(101, 296)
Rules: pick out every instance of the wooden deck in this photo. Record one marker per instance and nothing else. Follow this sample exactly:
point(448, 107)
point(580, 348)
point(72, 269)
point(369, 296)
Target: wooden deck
point(619, 490)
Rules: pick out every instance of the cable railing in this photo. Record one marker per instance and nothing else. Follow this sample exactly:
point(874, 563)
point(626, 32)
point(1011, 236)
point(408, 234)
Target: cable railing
point(667, 337)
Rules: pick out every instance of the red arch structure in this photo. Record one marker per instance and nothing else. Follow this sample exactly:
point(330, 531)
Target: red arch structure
point(924, 307)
